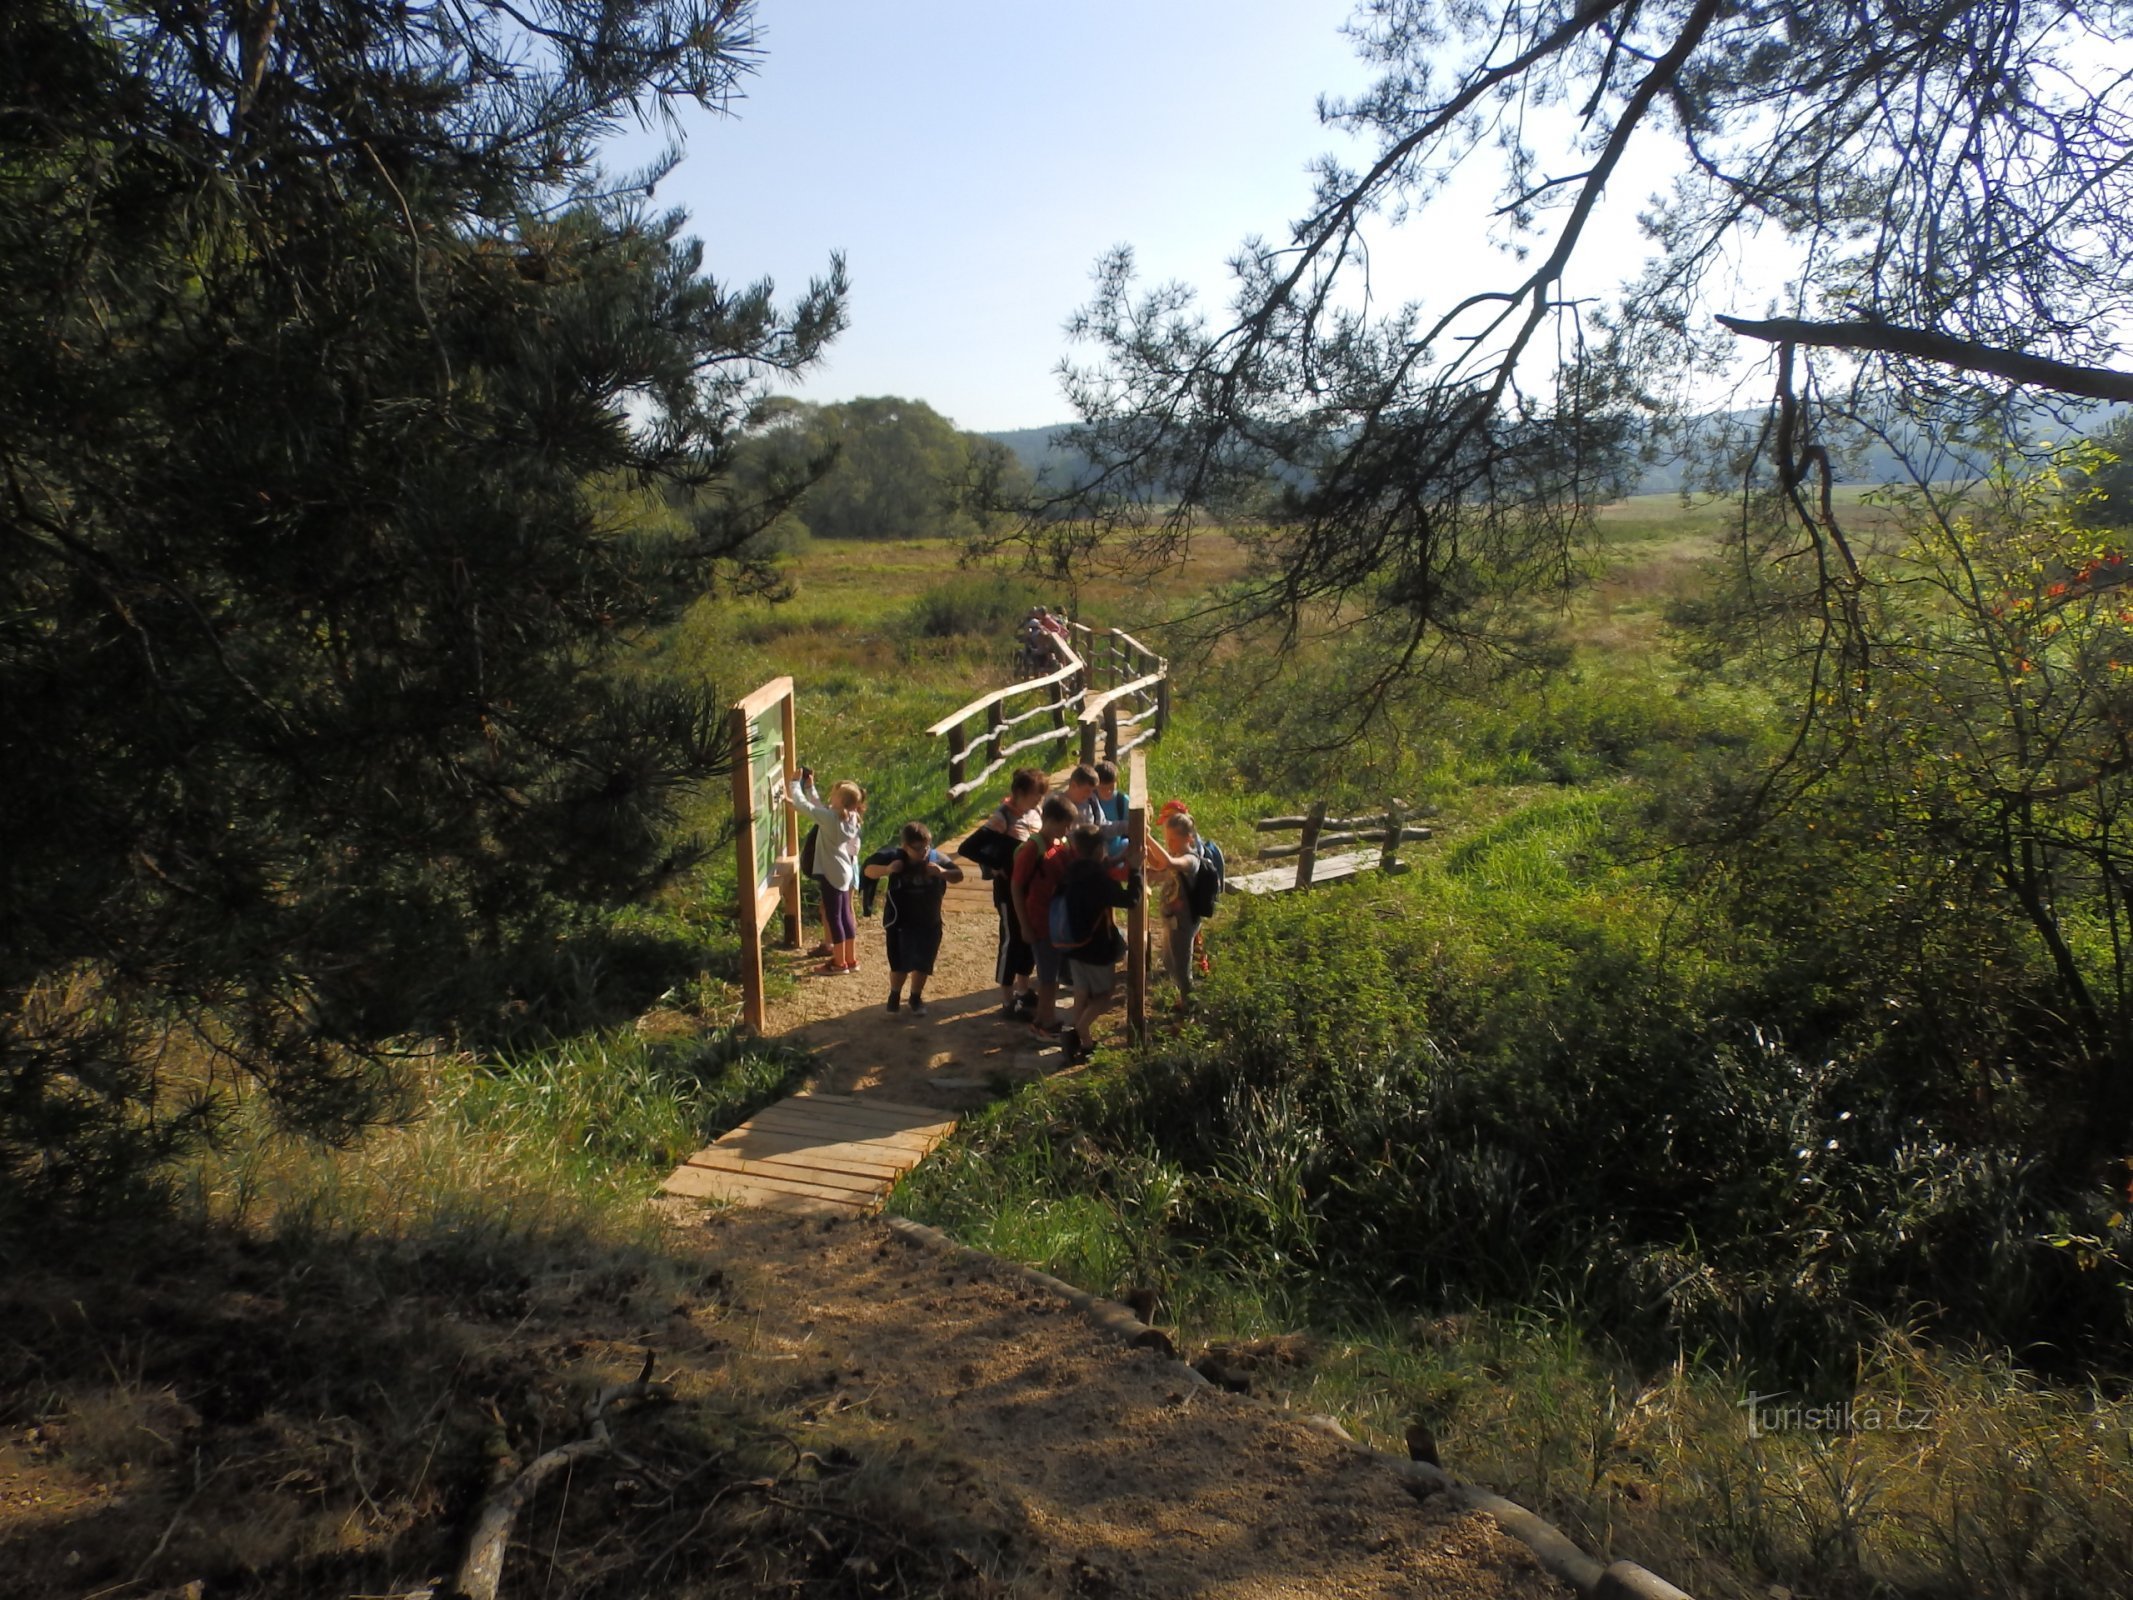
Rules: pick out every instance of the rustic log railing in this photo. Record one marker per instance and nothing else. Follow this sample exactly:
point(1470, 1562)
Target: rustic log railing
point(1319, 832)
point(1113, 691)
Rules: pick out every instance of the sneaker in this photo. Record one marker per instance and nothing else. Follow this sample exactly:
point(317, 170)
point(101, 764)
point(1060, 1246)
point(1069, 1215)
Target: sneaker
point(896, 1003)
point(1025, 1003)
point(918, 1008)
point(1077, 1050)
point(1012, 1012)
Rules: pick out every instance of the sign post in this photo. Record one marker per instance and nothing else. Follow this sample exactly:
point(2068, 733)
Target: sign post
point(1137, 912)
point(766, 832)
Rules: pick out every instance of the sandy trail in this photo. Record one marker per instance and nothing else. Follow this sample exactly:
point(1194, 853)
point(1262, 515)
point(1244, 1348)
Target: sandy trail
point(959, 1056)
point(1108, 1473)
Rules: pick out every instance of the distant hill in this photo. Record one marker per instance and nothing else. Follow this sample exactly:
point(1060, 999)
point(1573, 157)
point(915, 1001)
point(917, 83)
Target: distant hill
point(1875, 463)
point(1036, 449)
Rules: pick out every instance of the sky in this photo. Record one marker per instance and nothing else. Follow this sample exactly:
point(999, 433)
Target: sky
point(974, 160)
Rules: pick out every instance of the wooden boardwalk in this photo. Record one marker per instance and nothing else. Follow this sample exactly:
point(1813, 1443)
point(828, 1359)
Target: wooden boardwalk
point(822, 1154)
point(1327, 869)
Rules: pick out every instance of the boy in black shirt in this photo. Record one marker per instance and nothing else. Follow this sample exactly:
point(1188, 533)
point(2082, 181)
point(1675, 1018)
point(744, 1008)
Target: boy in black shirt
point(917, 875)
point(1087, 932)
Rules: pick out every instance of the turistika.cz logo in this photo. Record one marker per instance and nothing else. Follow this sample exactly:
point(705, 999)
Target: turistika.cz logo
point(1773, 1413)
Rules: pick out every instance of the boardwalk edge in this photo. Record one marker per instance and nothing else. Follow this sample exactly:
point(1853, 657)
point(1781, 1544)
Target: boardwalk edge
point(1557, 1553)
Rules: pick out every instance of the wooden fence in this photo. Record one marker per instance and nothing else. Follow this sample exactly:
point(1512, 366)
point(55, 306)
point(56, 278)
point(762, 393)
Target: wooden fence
point(1112, 694)
point(1319, 833)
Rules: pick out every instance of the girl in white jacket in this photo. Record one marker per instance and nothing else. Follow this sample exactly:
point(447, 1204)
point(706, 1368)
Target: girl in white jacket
point(836, 859)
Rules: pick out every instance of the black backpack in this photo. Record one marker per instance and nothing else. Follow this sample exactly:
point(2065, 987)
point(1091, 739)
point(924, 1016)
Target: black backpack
point(1207, 882)
point(807, 850)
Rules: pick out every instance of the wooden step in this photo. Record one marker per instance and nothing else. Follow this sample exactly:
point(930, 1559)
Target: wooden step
point(813, 1153)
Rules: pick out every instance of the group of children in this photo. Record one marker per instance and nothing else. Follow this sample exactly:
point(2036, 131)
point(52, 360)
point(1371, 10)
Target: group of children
point(1059, 874)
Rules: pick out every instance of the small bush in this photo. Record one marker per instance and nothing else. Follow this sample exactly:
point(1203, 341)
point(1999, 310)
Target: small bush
point(974, 603)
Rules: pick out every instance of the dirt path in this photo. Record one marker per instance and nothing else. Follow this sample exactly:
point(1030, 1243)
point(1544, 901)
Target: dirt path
point(958, 1056)
point(1102, 1464)
point(1107, 1473)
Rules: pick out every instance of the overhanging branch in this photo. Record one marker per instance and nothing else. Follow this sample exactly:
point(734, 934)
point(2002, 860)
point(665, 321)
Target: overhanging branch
point(2063, 377)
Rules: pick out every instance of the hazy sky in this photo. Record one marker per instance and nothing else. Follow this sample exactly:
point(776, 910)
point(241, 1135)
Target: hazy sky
point(973, 160)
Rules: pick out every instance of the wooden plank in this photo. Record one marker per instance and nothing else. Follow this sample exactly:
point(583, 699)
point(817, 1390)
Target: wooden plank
point(744, 826)
point(694, 1183)
point(863, 1185)
point(757, 1184)
point(834, 1128)
point(893, 1111)
point(764, 698)
point(1092, 709)
point(767, 1144)
point(831, 1097)
point(1328, 869)
point(789, 858)
point(850, 1123)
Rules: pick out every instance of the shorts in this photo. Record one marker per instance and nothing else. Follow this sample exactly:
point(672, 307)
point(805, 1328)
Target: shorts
point(1047, 960)
point(1015, 958)
point(1092, 977)
point(913, 947)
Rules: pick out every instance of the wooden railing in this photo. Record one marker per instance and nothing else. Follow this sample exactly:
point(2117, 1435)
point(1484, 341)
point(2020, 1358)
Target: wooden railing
point(1319, 832)
point(1113, 692)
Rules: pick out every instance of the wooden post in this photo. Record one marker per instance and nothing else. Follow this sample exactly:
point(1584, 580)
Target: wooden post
point(995, 732)
point(1137, 912)
point(1088, 744)
point(744, 824)
point(795, 908)
point(1162, 699)
point(955, 759)
point(1395, 822)
point(1111, 731)
point(1307, 857)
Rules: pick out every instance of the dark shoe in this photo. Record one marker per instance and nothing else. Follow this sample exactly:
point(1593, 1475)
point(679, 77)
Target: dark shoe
point(1025, 1003)
point(896, 1003)
point(918, 1008)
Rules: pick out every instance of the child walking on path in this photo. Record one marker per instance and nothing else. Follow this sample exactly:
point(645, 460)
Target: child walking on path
point(1111, 803)
point(916, 877)
point(1036, 874)
point(1088, 894)
point(1015, 962)
point(836, 859)
point(1175, 866)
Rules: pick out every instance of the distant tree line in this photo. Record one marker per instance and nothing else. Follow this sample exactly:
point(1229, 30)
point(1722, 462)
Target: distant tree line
point(898, 469)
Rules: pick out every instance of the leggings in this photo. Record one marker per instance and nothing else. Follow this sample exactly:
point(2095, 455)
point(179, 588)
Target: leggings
point(1177, 952)
point(837, 907)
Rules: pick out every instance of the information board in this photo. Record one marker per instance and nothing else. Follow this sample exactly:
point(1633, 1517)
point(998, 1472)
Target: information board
point(766, 833)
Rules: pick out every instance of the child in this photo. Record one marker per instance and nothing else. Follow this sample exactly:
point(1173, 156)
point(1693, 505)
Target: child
point(1081, 795)
point(1036, 875)
point(1092, 891)
point(1112, 804)
point(1019, 817)
point(918, 875)
point(1175, 870)
point(836, 859)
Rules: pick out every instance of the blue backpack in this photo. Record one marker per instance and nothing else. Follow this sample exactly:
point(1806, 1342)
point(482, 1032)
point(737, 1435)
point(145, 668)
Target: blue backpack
point(1207, 882)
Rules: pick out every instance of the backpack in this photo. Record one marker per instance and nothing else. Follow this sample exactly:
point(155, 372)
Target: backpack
point(807, 850)
point(1062, 929)
point(1207, 882)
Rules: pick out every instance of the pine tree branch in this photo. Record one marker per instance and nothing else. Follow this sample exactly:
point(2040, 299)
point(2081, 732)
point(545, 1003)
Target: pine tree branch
point(2062, 377)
